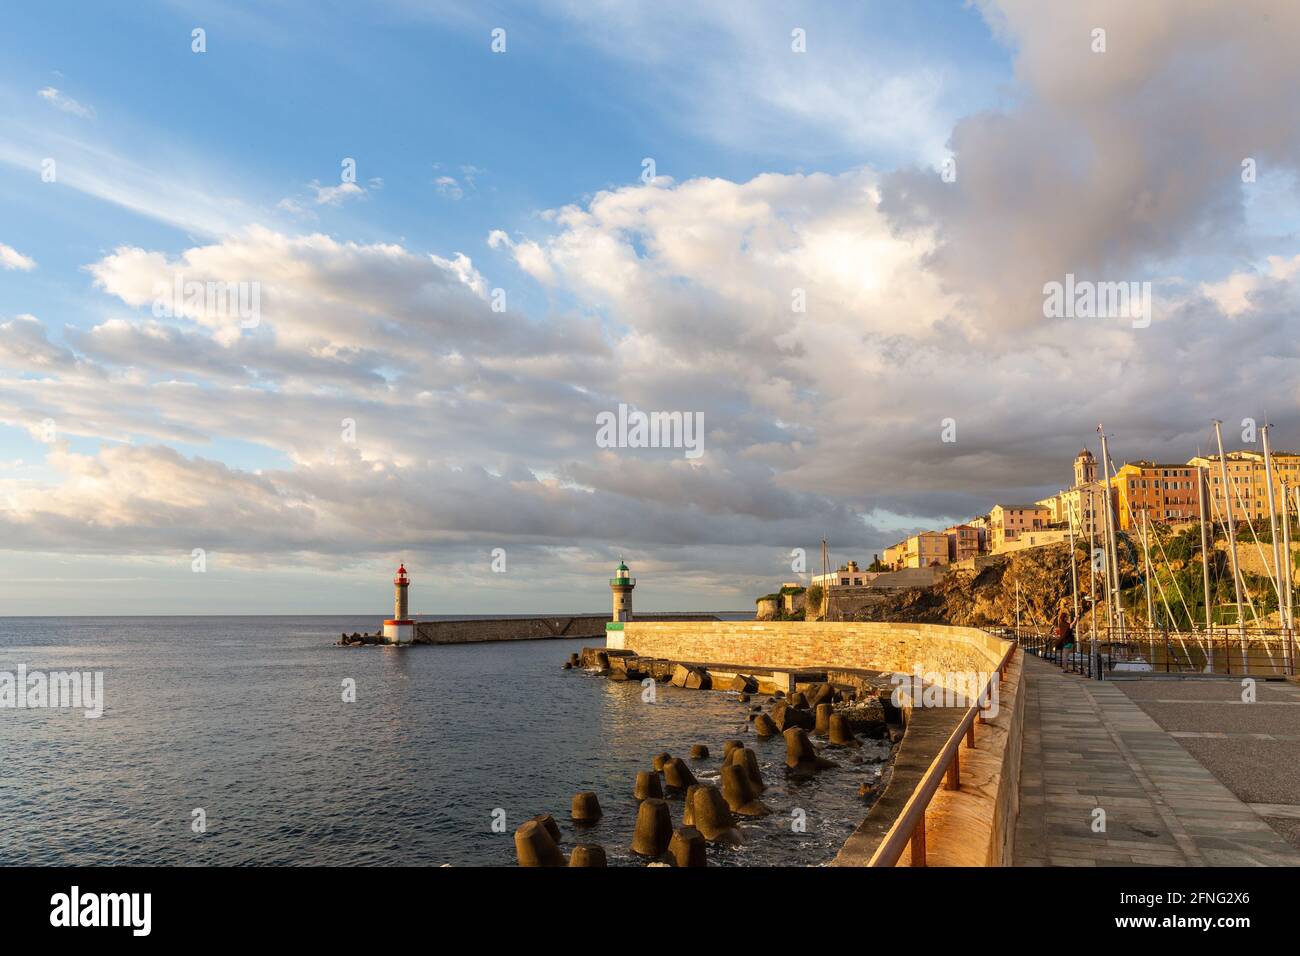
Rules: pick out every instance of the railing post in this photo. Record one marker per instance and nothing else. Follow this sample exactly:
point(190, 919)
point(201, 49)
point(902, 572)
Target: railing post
point(918, 843)
point(970, 735)
point(953, 779)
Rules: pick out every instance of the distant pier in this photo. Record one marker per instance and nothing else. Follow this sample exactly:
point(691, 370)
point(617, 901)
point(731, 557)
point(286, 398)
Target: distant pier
point(589, 627)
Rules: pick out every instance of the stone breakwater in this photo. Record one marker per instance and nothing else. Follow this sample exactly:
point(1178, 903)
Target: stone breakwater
point(486, 630)
point(834, 734)
point(972, 825)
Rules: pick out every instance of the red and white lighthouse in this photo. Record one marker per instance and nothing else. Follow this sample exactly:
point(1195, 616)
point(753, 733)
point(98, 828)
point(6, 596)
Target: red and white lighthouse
point(399, 629)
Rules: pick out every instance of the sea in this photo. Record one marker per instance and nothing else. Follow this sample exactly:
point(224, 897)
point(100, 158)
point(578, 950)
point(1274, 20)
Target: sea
point(257, 741)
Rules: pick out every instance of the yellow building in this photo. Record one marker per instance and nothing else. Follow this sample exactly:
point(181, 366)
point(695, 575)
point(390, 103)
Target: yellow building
point(1008, 522)
point(925, 550)
point(1249, 480)
point(1080, 505)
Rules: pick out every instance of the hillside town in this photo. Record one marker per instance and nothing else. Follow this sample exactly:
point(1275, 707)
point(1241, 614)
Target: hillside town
point(1150, 492)
point(1144, 496)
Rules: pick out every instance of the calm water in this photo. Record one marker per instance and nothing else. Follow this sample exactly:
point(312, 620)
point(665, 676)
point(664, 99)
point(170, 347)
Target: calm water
point(244, 718)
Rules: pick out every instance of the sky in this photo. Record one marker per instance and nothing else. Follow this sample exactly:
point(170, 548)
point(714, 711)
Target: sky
point(422, 248)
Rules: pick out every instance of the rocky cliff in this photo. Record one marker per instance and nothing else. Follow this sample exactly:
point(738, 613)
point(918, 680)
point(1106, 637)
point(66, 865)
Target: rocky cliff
point(987, 597)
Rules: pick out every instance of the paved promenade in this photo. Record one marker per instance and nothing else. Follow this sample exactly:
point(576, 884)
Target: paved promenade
point(1090, 748)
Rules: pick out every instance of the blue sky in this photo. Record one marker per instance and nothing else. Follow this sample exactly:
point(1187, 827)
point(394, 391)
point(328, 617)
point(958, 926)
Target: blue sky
point(767, 159)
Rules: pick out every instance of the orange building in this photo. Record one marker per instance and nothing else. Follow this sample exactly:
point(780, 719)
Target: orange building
point(1166, 493)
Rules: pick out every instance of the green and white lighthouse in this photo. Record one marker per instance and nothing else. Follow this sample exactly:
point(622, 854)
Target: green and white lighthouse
point(622, 584)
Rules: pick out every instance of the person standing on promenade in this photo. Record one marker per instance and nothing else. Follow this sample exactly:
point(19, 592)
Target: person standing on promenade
point(1063, 632)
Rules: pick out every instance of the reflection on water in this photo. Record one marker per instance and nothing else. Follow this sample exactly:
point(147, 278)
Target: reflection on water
point(244, 718)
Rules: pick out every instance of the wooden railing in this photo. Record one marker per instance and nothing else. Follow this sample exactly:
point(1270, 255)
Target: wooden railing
point(909, 827)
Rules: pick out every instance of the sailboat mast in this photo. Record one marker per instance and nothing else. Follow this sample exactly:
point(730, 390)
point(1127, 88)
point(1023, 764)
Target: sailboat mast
point(1112, 554)
point(1092, 575)
point(1146, 560)
point(1273, 530)
point(1201, 479)
point(1074, 570)
point(1232, 529)
point(1284, 569)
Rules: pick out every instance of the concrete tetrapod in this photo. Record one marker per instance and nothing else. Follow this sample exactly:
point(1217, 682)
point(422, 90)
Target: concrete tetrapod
point(801, 757)
point(764, 726)
point(553, 828)
point(699, 752)
point(823, 720)
point(842, 733)
point(746, 758)
point(677, 777)
point(647, 785)
point(824, 694)
point(586, 808)
point(534, 846)
point(687, 847)
point(654, 828)
point(688, 806)
point(588, 854)
point(785, 716)
point(739, 792)
point(660, 759)
point(712, 817)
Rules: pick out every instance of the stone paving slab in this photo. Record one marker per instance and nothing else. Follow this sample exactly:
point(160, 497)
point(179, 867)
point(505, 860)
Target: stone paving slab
point(1089, 747)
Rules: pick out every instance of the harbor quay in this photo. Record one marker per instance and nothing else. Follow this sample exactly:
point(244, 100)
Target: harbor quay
point(994, 754)
point(1066, 771)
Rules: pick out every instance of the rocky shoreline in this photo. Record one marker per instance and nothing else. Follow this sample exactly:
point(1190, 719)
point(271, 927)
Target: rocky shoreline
point(357, 639)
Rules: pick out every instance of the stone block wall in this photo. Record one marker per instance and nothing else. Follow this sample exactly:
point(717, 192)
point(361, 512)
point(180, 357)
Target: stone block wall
point(590, 627)
point(871, 645)
point(484, 630)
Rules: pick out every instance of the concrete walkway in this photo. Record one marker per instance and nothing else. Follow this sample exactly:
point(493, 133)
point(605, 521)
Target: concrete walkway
point(1093, 757)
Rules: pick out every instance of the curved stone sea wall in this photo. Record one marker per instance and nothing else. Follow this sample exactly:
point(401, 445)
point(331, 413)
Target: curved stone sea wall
point(950, 653)
point(971, 826)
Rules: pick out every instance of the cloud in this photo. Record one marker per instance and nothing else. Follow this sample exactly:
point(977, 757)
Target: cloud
point(824, 324)
point(11, 258)
point(1110, 164)
point(61, 101)
point(1243, 292)
point(176, 188)
point(335, 195)
point(448, 187)
point(24, 345)
point(731, 73)
point(323, 296)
